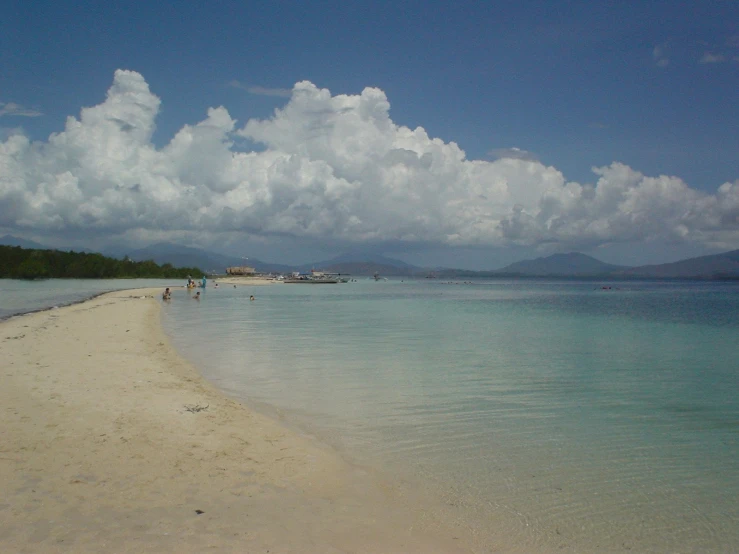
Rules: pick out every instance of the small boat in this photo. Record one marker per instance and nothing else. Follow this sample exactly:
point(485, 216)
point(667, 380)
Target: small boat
point(312, 281)
point(315, 278)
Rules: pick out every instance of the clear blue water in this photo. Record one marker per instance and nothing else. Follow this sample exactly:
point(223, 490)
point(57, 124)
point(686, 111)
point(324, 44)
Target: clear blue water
point(17, 296)
point(543, 416)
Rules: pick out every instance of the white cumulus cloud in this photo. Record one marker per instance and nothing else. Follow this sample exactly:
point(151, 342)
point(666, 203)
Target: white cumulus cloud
point(333, 167)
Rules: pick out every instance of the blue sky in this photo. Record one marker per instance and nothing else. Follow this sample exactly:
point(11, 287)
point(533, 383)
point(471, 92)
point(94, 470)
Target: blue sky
point(571, 85)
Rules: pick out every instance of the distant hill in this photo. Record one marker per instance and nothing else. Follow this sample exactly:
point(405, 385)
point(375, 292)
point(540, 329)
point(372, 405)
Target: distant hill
point(10, 240)
point(179, 255)
point(368, 268)
point(725, 265)
point(367, 258)
point(573, 264)
point(365, 263)
point(349, 263)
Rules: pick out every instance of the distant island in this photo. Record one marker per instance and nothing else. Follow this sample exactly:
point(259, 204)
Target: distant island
point(23, 263)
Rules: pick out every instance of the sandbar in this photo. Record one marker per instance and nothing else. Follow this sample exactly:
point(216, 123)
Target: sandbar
point(244, 280)
point(112, 442)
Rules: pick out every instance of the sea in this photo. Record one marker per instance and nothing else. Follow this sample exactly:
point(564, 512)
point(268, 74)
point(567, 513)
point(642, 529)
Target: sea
point(542, 415)
point(23, 296)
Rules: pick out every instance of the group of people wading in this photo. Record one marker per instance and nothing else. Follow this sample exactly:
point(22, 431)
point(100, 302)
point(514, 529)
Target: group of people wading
point(191, 284)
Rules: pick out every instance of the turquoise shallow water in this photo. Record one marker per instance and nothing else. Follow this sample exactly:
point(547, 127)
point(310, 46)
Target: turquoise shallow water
point(18, 296)
point(545, 415)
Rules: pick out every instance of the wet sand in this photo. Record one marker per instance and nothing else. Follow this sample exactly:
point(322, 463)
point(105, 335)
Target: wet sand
point(112, 442)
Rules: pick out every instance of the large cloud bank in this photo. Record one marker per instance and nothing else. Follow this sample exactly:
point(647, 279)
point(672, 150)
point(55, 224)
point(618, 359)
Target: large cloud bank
point(330, 166)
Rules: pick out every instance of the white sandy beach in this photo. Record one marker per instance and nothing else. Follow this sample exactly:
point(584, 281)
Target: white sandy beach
point(110, 442)
point(243, 280)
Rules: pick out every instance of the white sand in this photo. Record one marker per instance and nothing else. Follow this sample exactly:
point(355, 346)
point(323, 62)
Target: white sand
point(241, 280)
point(99, 453)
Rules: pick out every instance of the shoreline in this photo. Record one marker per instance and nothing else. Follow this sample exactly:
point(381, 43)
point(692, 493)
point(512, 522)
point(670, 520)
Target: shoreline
point(54, 307)
point(112, 441)
point(241, 280)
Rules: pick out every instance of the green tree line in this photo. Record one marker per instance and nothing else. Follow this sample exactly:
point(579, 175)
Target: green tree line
point(23, 263)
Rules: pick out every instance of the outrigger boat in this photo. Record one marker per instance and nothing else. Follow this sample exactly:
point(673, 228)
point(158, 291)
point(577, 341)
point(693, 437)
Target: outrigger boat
point(316, 278)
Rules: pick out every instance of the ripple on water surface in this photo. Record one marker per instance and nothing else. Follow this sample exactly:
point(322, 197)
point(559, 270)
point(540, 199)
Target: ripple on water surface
point(548, 416)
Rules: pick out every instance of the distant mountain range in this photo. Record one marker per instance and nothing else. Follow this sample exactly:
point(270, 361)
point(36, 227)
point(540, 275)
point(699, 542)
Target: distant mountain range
point(10, 240)
point(725, 265)
point(187, 256)
point(370, 268)
point(574, 264)
point(359, 263)
point(367, 258)
point(181, 256)
point(715, 266)
point(571, 265)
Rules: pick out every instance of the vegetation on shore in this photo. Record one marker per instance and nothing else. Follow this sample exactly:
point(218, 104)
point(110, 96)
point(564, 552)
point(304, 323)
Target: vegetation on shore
point(23, 263)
